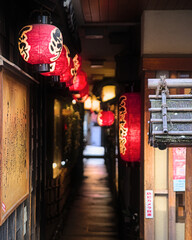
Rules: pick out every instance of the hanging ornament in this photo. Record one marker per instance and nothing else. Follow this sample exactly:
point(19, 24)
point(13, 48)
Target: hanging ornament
point(79, 81)
point(105, 118)
point(40, 44)
point(77, 62)
point(130, 127)
point(61, 65)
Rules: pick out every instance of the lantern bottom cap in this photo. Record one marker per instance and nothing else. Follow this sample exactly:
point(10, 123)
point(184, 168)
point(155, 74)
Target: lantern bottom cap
point(42, 67)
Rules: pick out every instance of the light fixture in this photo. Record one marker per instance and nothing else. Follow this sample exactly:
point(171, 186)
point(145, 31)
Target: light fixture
point(97, 63)
point(108, 92)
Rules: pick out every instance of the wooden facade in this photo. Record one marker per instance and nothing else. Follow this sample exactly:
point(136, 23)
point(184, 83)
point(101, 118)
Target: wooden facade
point(174, 67)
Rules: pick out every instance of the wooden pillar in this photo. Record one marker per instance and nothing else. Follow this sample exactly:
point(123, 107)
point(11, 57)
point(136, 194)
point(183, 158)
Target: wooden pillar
point(188, 195)
point(171, 199)
point(149, 156)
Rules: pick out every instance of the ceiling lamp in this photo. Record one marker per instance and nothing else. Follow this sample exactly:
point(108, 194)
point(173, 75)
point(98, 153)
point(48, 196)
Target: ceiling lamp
point(87, 103)
point(108, 92)
point(40, 44)
point(79, 81)
point(95, 104)
point(105, 118)
point(97, 63)
point(60, 65)
point(130, 127)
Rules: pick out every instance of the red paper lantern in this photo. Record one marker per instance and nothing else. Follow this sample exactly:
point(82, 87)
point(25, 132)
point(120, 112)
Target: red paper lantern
point(40, 43)
point(79, 81)
point(130, 127)
point(68, 75)
point(77, 62)
point(105, 118)
point(83, 92)
point(60, 65)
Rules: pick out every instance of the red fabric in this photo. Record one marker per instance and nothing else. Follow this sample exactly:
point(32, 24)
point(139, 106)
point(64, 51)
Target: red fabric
point(130, 127)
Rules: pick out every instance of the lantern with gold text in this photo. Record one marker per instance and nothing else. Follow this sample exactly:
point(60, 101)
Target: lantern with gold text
point(77, 61)
point(40, 44)
point(67, 76)
point(60, 65)
point(105, 118)
point(81, 96)
point(79, 81)
point(130, 127)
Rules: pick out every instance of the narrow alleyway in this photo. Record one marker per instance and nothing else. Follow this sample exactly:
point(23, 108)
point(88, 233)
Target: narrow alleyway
point(92, 215)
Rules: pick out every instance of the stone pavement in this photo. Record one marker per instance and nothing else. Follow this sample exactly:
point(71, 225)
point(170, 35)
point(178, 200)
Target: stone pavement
point(91, 214)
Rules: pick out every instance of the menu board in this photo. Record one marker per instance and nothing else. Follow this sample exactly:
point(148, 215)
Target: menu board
point(14, 144)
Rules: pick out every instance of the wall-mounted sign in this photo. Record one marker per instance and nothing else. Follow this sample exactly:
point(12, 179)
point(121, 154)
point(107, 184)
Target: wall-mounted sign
point(148, 204)
point(179, 164)
point(14, 144)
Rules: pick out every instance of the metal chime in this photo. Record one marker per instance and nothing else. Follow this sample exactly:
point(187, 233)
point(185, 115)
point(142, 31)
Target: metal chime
point(170, 115)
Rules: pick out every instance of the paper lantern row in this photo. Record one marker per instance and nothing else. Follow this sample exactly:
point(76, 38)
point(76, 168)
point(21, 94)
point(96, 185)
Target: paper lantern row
point(43, 44)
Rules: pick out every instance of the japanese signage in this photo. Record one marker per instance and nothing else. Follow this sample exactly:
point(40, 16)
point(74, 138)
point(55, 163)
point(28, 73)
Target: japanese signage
point(149, 204)
point(179, 163)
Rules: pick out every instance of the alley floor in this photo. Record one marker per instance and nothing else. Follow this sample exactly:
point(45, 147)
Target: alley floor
point(92, 215)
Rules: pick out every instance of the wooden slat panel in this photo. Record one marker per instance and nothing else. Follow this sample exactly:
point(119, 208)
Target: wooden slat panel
point(104, 10)
point(86, 10)
point(169, 64)
point(95, 10)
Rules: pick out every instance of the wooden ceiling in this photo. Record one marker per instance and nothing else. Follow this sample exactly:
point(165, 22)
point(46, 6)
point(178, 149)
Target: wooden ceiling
point(105, 11)
point(118, 21)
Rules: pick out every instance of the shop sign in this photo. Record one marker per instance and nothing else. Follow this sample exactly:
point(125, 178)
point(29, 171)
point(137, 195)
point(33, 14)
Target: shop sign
point(179, 164)
point(149, 204)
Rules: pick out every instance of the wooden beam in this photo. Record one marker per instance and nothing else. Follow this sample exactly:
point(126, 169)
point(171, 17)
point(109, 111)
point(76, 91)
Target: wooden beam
point(171, 199)
point(188, 195)
point(165, 63)
point(149, 157)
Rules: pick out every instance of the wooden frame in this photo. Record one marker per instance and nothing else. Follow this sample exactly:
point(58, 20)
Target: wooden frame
point(14, 144)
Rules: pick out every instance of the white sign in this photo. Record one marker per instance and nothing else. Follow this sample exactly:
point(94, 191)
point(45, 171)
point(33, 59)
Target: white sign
point(148, 203)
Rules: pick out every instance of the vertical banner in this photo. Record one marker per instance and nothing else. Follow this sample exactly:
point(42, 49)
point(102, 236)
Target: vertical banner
point(179, 164)
point(149, 204)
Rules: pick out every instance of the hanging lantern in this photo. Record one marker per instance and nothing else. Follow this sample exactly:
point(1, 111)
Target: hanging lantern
point(82, 95)
point(130, 127)
point(105, 118)
point(79, 81)
point(83, 92)
point(67, 76)
point(40, 44)
point(77, 62)
point(60, 65)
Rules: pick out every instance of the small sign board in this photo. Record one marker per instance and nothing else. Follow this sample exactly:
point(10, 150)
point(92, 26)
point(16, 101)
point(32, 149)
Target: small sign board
point(179, 164)
point(148, 204)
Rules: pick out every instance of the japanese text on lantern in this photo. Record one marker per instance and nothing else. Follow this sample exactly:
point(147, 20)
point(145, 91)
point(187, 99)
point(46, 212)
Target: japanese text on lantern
point(122, 125)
